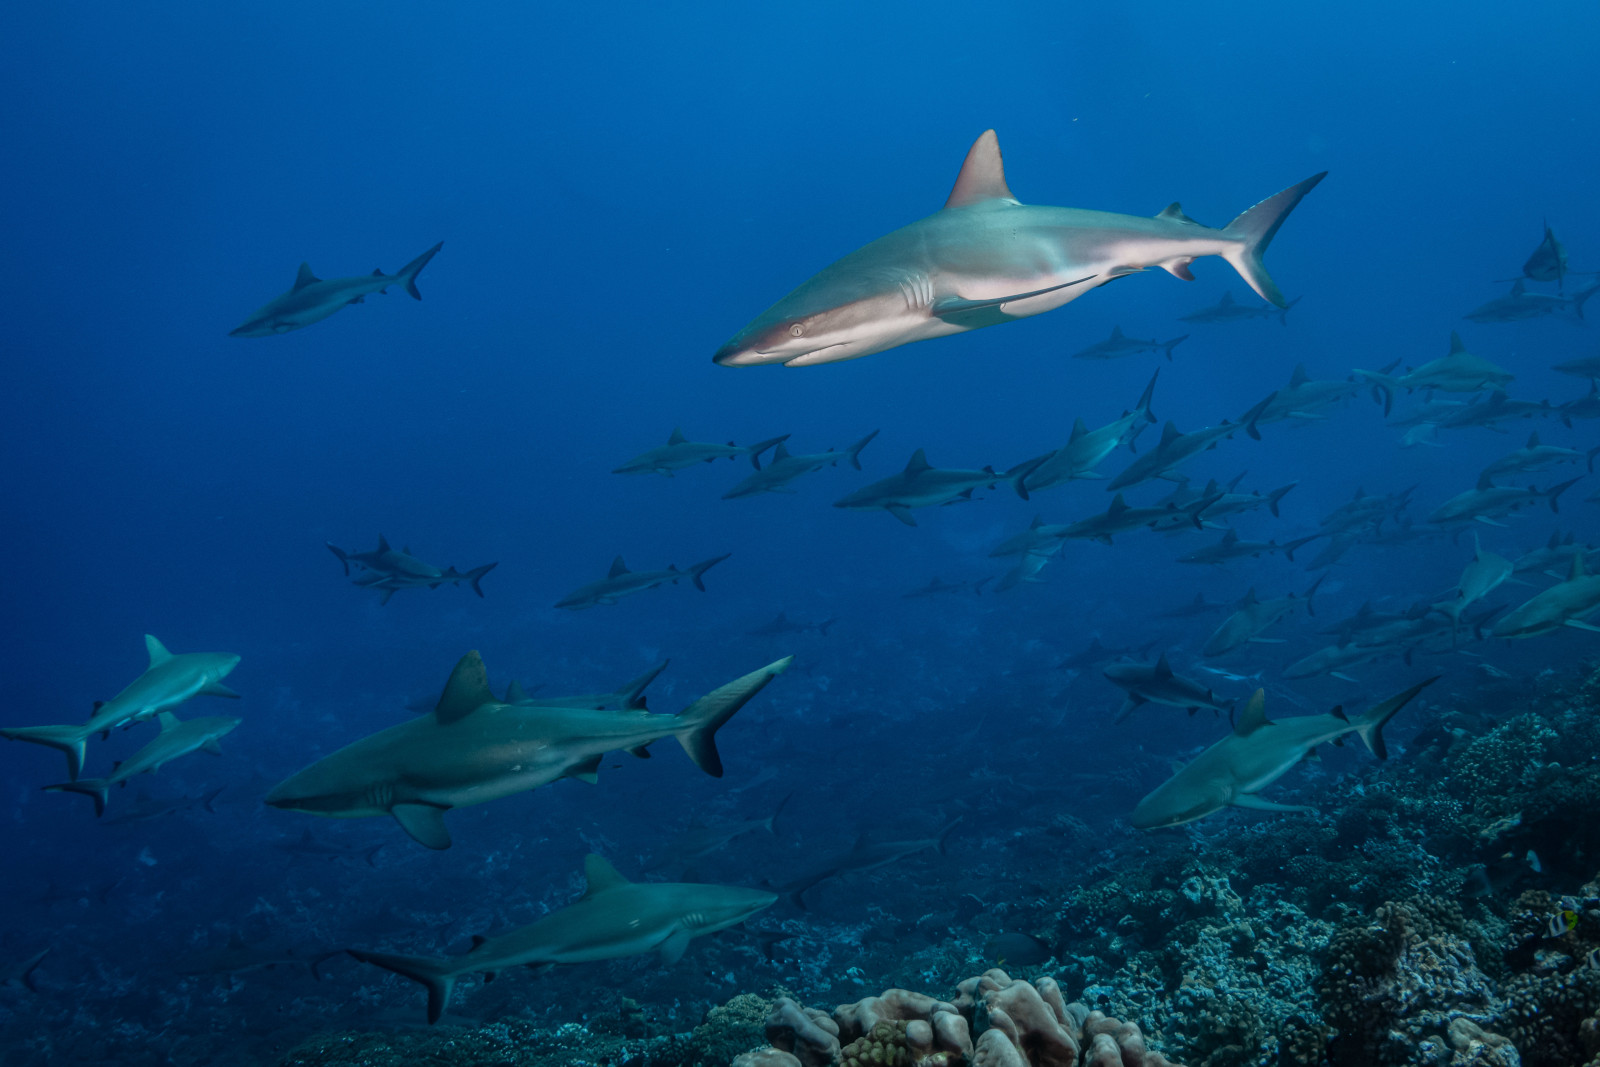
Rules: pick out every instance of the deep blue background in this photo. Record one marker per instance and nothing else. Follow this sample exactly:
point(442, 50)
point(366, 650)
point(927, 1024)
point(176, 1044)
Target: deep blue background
point(618, 190)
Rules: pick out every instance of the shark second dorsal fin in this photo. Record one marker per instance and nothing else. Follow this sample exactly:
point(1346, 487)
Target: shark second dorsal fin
point(1254, 716)
point(1038, 521)
point(1299, 377)
point(158, 651)
point(918, 462)
point(1457, 346)
point(1533, 439)
point(617, 567)
point(983, 174)
point(677, 437)
point(600, 875)
point(466, 691)
point(1231, 537)
point(1577, 566)
point(1116, 333)
point(1338, 713)
point(1226, 301)
point(515, 694)
point(1170, 433)
point(1174, 213)
point(167, 720)
point(304, 278)
point(1250, 596)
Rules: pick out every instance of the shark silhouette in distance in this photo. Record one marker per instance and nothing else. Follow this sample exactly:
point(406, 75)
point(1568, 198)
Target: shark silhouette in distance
point(785, 467)
point(986, 259)
point(1120, 344)
point(175, 740)
point(613, 919)
point(922, 485)
point(1232, 772)
point(312, 299)
point(680, 453)
point(620, 582)
point(389, 571)
point(167, 682)
point(474, 748)
point(1229, 310)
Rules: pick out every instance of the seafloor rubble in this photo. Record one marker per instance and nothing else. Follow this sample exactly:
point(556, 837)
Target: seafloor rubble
point(1442, 909)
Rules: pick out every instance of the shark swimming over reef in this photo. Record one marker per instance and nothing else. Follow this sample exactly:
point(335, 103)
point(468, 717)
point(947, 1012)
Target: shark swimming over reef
point(312, 299)
point(614, 918)
point(1257, 753)
point(987, 258)
point(474, 748)
point(167, 682)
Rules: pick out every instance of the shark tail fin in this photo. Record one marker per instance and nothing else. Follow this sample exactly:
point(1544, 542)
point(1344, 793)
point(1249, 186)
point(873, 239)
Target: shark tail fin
point(475, 575)
point(1370, 725)
point(1555, 491)
point(702, 719)
point(1017, 477)
point(70, 740)
point(854, 451)
point(436, 974)
point(1168, 346)
point(1143, 407)
point(1275, 497)
point(408, 273)
point(1254, 231)
point(344, 557)
point(96, 788)
point(697, 571)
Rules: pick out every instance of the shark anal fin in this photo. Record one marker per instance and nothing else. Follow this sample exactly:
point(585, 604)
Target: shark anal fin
point(424, 822)
point(671, 950)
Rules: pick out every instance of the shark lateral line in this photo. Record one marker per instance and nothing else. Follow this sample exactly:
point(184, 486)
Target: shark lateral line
point(474, 748)
point(311, 299)
point(614, 918)
point(1232, 772)
point(987, 258)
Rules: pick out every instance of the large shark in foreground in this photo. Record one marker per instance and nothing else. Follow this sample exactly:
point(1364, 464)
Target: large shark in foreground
point(167, 682)
point(1257, 753)
point(986, 259)
point(474, 748)
point(312, 299)
point(614, 918)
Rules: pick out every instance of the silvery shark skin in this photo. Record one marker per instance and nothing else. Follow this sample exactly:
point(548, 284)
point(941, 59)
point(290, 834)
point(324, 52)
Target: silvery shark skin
point(1491, 411)
point(1302, 399)
point(1257, 753)
point(474, 749)
point(1458, 371)
point(1154, 683)
point(1488, 502)
point(1567, 604)
point(1231, 548)
point(1535, 457)
point(1175, 448)
point(785, 467)
point(1225, 310)
point(986, 259)
point(1481, 577)
point(628, 697)
point(175, 739)
point(1555, 555)
point(1333, 659)
point(1120, 518)
point(621, 582)
point(1086, 448)
point(1254, 616)
point(1040, 538)
point(1226, 503)
point(921, 485)
point(167, 682)
point(1026, 571)
point(1520, 304)
point(312, 299)
point(866, 855)
point(1118, 345)
point(614, 918)
point(680, 453)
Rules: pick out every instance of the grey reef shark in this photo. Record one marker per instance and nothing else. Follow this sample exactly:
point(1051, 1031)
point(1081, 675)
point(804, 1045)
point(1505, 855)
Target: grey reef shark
point(987, 258)
point(620, 582)
point(680, 453)
point(313, 299)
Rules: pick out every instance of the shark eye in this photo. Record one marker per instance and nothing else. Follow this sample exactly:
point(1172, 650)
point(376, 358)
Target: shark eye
point(797, 330)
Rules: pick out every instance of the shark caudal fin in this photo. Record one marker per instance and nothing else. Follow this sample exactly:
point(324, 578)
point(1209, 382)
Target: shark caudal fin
point(99, 789)
point(475, 575)
point(407, 275)
point(436, 974)
point(1168, 346)
point(1254, 231)
point(70, 740)
point(854, 451)
point(698, 571)
point(702, 719)
point(343, 557)
point(1370, 724)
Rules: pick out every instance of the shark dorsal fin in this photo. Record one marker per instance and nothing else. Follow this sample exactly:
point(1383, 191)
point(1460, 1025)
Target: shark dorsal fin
point(1533, 439)
point(1079, 428)
point(158, 651)
point(1174, 212)
point(304, 278)
point(1231, 537)
point(1250, 596)
point(1299, 377)
point(1226, 301)
point(617, 567)
point(515, 694)
point(1577, 567)
point(781, 452)
point(600, 875)
point(1038, 521)
point(1163, 668)
point(1169, 433)
point(917, 463)
point(167, 720)
point(1116, 333)
point(1338, 713)
point(1118, 505)
point(383, 544)
point(983, 174)
point(677, 437)
point(1457, 346)
point(1254, 716)
point(466, 691)
point(1518, 288)
point(1485, 481)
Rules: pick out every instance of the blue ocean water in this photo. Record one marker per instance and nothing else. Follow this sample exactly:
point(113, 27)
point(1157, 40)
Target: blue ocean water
point(618, 191)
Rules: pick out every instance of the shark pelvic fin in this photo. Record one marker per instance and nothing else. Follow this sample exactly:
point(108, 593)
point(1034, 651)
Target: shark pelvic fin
point(424, 822)
point(983, 174)
point(587, 771)
point(465, 692)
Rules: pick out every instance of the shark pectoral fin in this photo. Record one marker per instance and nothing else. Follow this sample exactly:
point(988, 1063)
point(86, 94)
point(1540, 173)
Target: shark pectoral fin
point(671, 950)
point(424, 822)
point(1255, 803)
point(956, 305)
point(1579, 624)
point(1343, 677)
point(640, 751)
point(902, 513)
point(217, 689)
point(211, 746)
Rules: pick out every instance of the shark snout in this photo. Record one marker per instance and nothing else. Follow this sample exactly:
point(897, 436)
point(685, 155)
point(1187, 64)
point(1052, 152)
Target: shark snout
point(737, 354)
